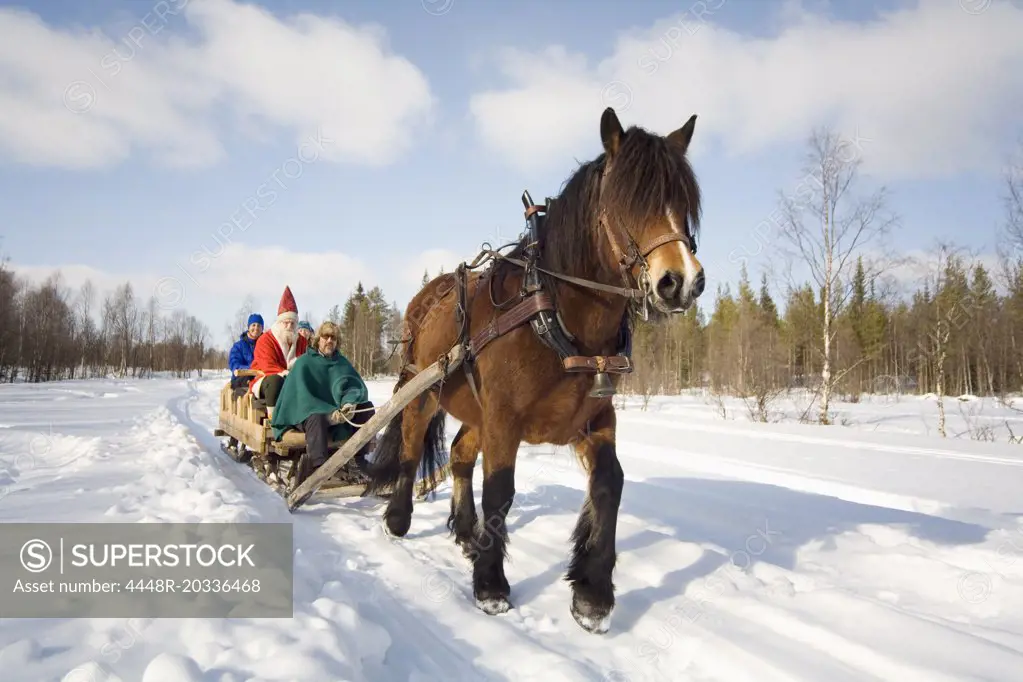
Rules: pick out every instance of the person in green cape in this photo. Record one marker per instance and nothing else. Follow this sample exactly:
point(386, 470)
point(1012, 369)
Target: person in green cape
point(325, 398)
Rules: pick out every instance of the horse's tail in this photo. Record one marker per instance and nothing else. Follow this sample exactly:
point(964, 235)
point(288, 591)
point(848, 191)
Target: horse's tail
point(385, 468)
point(433, 467)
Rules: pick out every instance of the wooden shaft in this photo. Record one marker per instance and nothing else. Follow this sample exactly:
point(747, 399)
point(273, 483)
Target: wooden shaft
point(402, 397)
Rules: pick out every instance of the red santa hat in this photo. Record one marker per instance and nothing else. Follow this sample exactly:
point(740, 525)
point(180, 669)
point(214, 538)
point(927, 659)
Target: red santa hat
point(287, 310)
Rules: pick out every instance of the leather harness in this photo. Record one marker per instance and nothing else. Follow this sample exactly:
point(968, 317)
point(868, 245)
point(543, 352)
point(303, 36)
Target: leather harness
point(536, 306)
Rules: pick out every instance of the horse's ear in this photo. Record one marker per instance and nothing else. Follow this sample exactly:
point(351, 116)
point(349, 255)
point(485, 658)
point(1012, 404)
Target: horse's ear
point(684, 135)
point(611, 131)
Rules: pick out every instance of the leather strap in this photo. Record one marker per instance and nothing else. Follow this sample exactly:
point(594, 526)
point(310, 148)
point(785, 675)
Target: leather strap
point(589, 284)
point(615, 364)
point(515, 317)
point(662, 240)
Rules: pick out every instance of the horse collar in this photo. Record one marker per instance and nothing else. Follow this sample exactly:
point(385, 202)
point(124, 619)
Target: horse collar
point(547, 323)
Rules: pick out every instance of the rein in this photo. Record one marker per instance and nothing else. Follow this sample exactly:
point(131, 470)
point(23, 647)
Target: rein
point(627, 292)
point(536, 307)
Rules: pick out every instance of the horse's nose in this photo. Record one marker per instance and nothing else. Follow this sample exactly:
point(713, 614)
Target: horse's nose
point(698, 284)
point(669, 286)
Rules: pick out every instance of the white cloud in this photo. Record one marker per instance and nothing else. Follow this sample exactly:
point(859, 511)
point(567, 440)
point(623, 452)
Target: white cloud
point(933, 88)
point(81, 99)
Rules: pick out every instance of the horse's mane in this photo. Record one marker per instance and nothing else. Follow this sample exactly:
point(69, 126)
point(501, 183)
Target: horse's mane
point(649, 175)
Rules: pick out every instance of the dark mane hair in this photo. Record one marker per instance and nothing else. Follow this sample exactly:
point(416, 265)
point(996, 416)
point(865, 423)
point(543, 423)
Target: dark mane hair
point(649, 175)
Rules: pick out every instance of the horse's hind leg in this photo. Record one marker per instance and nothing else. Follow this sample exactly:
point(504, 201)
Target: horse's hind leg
point(462, 520)
point(593, 556)
point(422, 439)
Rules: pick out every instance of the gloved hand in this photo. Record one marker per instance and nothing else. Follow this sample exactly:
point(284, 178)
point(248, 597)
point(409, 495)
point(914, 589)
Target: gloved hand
point(344, 413)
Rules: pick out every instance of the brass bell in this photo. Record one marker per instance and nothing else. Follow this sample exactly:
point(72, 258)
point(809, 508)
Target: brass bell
point(602, 386)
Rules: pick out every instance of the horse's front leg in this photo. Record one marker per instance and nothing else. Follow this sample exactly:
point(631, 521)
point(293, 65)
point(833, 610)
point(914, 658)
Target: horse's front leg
point(489, 584)
point(593, 554)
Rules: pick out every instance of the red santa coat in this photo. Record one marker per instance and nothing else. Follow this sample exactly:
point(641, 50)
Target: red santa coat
point(269, 357)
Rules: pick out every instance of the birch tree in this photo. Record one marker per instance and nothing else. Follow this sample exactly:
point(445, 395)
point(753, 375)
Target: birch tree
point(824, 227)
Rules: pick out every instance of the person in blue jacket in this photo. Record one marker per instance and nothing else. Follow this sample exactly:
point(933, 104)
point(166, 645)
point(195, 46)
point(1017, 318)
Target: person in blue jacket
point(242, 350)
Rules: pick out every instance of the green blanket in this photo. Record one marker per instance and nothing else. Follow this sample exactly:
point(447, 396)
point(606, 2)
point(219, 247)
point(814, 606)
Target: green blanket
point(318, 384)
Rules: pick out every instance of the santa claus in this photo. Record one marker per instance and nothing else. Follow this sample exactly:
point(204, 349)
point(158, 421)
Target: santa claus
point(275, 353)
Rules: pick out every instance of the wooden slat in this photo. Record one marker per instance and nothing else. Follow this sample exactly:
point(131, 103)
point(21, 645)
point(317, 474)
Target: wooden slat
point(253, 435)
point(296, 439)
point(340, 491)
point(406, 394)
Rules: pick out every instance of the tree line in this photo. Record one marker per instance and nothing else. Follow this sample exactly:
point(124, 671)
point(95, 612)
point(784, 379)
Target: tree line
point(49, 332)
point(836, 312)
point(954, 335)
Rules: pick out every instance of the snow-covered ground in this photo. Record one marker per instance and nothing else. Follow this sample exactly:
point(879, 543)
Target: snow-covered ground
point(747, 552)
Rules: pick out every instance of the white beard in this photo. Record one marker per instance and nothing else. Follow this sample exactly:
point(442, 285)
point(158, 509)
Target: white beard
point(287, 339)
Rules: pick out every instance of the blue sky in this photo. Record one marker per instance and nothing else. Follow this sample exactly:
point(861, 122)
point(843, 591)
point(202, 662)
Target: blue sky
point(439, 120)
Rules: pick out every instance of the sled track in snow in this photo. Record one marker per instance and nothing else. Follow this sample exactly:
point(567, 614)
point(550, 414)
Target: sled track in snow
point(764, 434)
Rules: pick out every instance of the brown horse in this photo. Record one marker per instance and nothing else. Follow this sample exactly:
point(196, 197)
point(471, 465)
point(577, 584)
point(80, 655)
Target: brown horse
point(640, 192)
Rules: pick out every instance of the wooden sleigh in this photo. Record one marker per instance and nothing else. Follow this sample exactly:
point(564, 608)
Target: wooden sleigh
point(243, 420)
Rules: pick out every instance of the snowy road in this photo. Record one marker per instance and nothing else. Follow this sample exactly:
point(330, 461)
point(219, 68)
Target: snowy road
point(746, 552)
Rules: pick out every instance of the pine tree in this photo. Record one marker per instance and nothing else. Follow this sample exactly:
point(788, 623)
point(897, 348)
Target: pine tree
point(802, 313)
point(767, 306)
point(720, 330)
point(349, 323)
point(982, 330)
point(859, 287)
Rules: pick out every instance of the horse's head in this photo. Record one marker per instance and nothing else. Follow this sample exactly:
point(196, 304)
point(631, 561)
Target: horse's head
point(650, 211)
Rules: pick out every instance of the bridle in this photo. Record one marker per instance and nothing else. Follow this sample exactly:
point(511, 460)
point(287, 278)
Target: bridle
point(633, 254)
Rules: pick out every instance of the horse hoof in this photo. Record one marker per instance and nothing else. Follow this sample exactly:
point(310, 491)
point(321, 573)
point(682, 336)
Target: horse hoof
point(467, 547)
point(592, 618)
point(397, 524)
point(493, 606)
